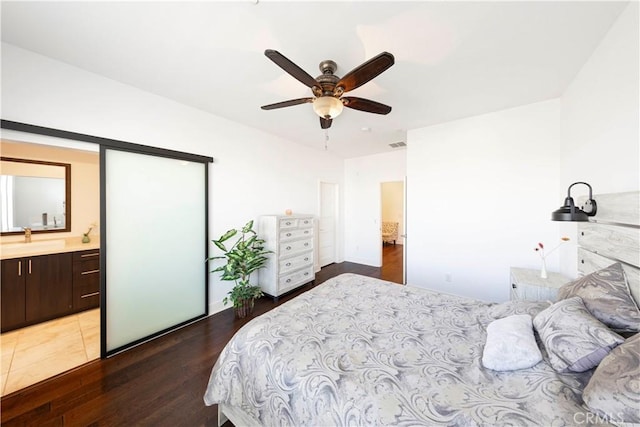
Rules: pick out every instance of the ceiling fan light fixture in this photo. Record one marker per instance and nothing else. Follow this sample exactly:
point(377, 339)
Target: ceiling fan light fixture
point(328, 107)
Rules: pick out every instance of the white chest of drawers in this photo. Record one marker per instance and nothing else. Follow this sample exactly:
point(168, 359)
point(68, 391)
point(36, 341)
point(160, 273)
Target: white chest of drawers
point(291, 239)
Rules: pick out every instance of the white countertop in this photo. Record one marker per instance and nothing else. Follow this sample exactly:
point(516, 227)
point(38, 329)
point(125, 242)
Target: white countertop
point(71, 244)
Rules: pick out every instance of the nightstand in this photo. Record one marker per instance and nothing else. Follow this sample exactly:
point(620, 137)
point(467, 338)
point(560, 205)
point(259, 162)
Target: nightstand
point(527, 285)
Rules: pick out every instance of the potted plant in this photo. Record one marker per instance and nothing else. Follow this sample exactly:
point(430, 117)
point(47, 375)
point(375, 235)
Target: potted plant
point(244, 256)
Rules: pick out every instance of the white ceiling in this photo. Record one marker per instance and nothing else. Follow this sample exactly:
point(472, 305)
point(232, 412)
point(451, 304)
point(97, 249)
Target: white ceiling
point(452, 59)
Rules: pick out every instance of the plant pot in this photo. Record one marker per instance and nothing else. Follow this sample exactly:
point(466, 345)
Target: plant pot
point(245, 308)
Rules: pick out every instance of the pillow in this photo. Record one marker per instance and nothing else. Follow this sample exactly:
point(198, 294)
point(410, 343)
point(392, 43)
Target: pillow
point(510, 344)
point(575, 340)
point(509, 308)
point(606, 295)
point(614, 389)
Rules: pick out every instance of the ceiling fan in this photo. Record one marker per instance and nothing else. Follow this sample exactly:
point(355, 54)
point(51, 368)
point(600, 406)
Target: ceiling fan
point(328, 88)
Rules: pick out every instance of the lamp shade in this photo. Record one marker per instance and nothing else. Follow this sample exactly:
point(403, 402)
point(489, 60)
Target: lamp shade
point(327, 107)
point(569, 211)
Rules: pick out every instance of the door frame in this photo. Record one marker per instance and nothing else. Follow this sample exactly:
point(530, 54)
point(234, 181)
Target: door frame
point(402, 236)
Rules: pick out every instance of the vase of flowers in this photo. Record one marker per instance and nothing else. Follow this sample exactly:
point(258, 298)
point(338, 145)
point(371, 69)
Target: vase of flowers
point(85, 236)
point(543, 255)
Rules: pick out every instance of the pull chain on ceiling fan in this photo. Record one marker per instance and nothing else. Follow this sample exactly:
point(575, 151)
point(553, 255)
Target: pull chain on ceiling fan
point(328, 88)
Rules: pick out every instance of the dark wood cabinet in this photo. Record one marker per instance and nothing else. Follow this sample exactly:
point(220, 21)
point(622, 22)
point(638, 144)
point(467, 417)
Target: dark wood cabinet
point(86, 280)
point(35, 289)
point(13, 296)
point(48, 287)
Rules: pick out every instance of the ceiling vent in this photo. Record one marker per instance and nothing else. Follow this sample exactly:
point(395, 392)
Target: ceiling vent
point(397, 144)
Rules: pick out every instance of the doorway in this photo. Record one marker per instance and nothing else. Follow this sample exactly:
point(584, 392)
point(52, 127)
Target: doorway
point(187, 171)
point(71, 337)
point(392, 201)
point(328, 221)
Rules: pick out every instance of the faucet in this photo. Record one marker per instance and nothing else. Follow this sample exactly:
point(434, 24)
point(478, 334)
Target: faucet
point(27, 235)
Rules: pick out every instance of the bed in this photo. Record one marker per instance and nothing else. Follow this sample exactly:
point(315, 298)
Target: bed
point(360, 351)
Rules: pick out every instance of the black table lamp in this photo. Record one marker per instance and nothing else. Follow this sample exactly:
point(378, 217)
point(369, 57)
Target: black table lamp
point(569, 212)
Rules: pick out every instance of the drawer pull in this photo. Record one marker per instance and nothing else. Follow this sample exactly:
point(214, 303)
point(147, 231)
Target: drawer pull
point(306, 274)
point(288, 264)
point(306, 232)
point(88, 255)
point(306, 258)
point(513, 285)
point(288, 222)
point(306, 244)
point(90, 295)
point(288, 280)
point(288, 234)
point(288, 248)
point(90, 272)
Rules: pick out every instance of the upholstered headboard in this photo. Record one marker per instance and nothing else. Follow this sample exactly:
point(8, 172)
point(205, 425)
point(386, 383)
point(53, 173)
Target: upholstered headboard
point(612, 235)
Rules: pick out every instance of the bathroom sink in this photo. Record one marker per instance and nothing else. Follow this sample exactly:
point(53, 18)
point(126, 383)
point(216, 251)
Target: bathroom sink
point(20, 248)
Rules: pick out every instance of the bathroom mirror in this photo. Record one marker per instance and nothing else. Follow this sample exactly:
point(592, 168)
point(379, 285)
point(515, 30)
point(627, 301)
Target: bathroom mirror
point(35, 194)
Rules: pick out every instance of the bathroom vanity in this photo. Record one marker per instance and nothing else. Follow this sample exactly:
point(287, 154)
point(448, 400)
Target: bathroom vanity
point(46, 281)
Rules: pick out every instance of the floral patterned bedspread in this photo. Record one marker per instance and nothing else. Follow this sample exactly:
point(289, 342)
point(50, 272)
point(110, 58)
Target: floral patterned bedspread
point(360, 351)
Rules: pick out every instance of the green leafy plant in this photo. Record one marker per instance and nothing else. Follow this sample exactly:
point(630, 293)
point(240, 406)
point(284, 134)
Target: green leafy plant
point(244, 256)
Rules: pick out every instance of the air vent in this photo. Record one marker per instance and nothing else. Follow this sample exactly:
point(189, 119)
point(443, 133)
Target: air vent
point(398, 144)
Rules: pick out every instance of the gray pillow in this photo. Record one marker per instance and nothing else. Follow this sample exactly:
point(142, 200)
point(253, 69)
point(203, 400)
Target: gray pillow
point(575, 340)
point(606, 295)
point(613, 391)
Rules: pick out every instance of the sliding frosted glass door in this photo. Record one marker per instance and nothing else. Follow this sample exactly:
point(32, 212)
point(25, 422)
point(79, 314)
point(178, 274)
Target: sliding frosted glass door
point(154, 242)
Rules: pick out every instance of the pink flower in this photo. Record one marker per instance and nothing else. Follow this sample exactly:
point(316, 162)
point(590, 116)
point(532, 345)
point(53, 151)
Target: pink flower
point(540, 247)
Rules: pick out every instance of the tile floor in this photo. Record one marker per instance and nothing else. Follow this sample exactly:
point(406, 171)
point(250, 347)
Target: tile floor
point(37, 352)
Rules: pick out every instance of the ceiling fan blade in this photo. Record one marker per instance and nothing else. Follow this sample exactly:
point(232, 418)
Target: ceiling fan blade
point(291, 68)
point(288, 103)
point(365, 72)
point(365, 105)
point(325, 123)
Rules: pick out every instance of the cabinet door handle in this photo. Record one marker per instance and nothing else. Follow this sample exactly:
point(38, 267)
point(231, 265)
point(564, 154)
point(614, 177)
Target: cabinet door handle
point(90, 272)
point(29, 266)
point(88, 255)
point(19, 268)
point(90, 295)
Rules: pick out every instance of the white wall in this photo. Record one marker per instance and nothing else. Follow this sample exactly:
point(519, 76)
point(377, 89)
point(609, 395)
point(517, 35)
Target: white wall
point(250, 175)
point(600, 113)
point(480, 192)
point(508, 170)
point(362, 203)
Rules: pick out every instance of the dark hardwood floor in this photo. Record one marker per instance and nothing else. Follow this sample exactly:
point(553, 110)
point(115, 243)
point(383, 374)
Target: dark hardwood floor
point(159, 383)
